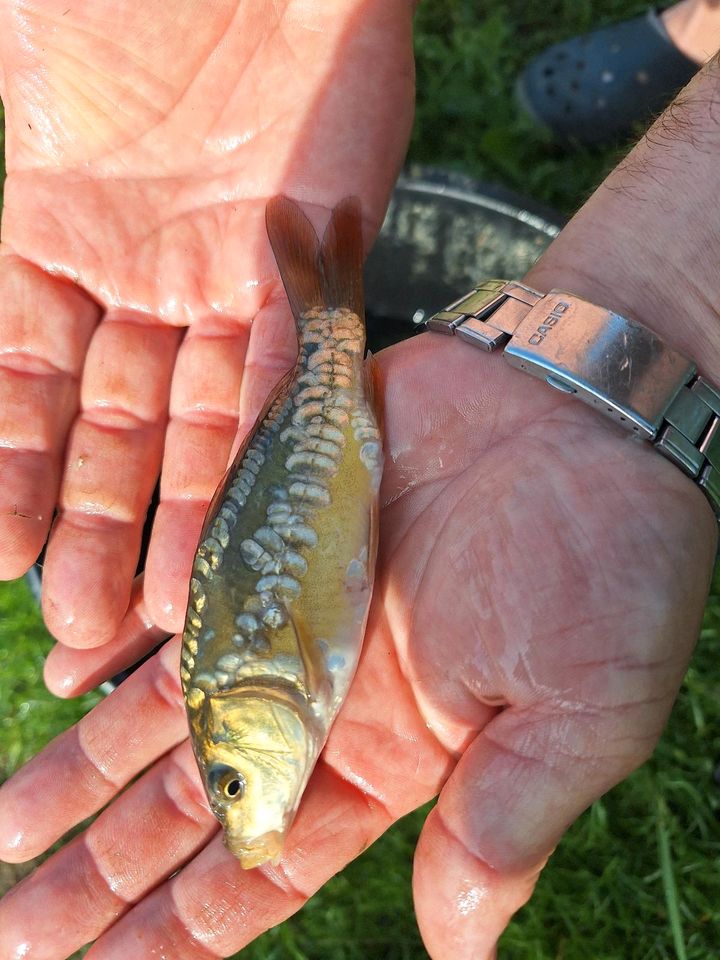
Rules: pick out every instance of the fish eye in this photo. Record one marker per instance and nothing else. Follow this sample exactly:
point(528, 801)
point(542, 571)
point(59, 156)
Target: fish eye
point(233, 787)
point(226, 781)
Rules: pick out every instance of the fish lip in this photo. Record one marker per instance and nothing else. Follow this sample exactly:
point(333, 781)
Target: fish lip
point(253, 853)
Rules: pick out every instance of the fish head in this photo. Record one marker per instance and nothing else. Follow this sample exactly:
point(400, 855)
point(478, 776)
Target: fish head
point(256, 758)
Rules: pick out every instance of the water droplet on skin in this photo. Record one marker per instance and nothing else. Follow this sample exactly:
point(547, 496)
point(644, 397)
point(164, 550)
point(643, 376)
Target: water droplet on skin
point(469, 900)
point(66, 683)
point(16, 841)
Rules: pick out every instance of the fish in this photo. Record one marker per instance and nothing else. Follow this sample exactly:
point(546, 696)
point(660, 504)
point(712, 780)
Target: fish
point(282, 578)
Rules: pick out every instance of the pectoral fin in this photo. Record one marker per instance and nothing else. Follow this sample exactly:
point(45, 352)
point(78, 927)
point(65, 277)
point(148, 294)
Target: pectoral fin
point(317, 680)
point(373, 389)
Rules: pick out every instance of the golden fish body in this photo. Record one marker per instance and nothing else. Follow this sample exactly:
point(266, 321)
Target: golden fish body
point(282, 577)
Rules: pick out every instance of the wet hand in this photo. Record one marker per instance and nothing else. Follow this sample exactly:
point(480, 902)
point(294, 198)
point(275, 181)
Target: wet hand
point(540, 587)
point(140, 307)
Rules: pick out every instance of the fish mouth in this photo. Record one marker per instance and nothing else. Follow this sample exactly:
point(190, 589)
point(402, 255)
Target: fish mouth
point(253, 853)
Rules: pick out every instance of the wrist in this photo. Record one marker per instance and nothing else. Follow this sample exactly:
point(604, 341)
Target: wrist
point(646, 244)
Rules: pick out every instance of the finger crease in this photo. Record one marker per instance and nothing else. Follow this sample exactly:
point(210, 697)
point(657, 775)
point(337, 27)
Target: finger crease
point(92, 519)
point(204, 417)
point(271, 363)
point(21, 361)
point(166, 684)
point(280, 879)
point(484, 864)
point(509, 751)
point(98, 770)
point(111, 887)
point(189, 797)
point(116, 418)
point(200, 950)
point(364, 789)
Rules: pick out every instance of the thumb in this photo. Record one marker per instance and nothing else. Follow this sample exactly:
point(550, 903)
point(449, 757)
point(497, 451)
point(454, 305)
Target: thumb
point(525, 778)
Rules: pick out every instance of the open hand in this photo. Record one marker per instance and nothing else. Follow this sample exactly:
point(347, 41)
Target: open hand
point(143, 142)
point(540, 587)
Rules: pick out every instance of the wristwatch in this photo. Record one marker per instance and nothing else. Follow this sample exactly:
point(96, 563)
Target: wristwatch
point(618, 366)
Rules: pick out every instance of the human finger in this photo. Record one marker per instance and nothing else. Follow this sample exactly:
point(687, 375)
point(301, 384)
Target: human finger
point(525, 778)
point(45, 326)
point(272, 351)
point(203, 420)
point(353, 796)
point(224, 372)
point(139, 840)
point(111, 467)
point(70, 672)
point(334, 825)
point(86, 766)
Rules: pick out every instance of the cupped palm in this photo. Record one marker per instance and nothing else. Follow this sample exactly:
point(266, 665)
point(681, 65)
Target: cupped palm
point(540, 585)
point(541, 577)
point(143, 142)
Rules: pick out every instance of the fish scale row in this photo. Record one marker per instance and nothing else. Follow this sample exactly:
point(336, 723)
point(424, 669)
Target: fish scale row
point(314, 459)
point(210, 554)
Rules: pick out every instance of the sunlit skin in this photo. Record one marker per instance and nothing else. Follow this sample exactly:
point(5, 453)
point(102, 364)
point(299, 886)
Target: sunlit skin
point(144, 141)
point(540, 583)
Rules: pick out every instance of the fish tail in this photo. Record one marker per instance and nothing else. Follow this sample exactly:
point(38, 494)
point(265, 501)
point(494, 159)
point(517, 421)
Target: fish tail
point(341, 255)
point(318, 275)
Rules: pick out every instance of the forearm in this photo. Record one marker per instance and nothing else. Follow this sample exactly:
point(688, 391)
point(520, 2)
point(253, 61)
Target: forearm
point(647, 243)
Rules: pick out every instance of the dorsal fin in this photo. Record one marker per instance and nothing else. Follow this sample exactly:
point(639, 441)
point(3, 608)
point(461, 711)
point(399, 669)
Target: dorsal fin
point(314, 274)
point(341, 254)
point(297, 252)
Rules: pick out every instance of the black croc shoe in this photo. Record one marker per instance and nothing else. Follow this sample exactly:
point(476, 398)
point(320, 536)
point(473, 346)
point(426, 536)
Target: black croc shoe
point(594, 88)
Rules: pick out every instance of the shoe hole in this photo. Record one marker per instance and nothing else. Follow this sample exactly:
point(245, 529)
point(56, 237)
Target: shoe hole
point(568, 108)
point(561, 55)
point(580, 64)
point(574, 84)
point(550, 90)
point(548, 71)
point(607, 76)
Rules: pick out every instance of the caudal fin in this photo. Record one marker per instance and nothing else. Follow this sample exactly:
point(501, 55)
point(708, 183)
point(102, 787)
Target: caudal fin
point(327, 274)
point(341, 254)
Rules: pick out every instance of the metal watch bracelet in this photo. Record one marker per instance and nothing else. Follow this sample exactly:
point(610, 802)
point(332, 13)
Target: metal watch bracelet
point(615, 364)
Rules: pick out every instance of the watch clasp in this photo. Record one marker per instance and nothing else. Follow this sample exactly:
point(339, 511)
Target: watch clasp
point(616, 365)
point(475, 318)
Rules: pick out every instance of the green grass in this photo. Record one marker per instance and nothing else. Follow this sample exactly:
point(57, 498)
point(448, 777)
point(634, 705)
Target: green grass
point(636, 878)
point(28, 715)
